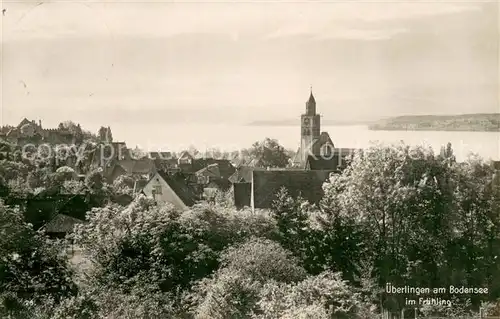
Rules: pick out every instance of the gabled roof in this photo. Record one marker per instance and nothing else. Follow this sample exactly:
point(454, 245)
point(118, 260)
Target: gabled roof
point(219, 184)
point(61, 224)
point(308, 184)
point(161, 156)
point(185, 155)
point(141, 166)
point(122, 199)
point(211, 170)
point(24, 122)
point(225, 167)
point(324, 138)
point(13, 133)
point(139, 185)
point(178, 184)
point(319, 163)
point(243, 174)
point(256, 162)
point(238, 161)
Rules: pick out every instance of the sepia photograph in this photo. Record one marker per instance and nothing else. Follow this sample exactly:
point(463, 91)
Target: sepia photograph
point(262, 159)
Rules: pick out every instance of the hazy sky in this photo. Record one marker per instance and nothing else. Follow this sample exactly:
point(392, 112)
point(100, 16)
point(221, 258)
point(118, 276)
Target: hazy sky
point(159, 62)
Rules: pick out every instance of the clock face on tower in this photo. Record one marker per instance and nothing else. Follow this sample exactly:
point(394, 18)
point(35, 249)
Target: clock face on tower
point(306, 121)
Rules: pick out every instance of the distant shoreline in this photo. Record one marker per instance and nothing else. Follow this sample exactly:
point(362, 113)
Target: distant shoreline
point(297, 123)
point(485, 122)
point(481, 122)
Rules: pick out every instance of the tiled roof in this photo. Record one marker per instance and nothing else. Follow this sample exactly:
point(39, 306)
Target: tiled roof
point(139, 185)
point(142, 166)
point(178, 184)
point(324, 138)
point(61, 224)
point(211, 170)
point(256, 162)
point(308, 184)
point(238, 161)
point(162, 156)
point(226, 169)
point(221, 184)
point(243, 174)
point(319, 163)
point(122, 199)
point(185, 155)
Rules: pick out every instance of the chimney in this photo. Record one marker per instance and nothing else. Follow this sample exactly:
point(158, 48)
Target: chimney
point(40, 123)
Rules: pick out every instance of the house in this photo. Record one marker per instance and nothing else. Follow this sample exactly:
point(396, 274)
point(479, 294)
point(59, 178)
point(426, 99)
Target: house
point(185, 158)
point(61, 225)
point(171, 188)
point(122, 199)
point(209, 173)
point(243, 174)
point(495, 165)
point(142, 168)
point(266, 183)
point(226, 169)
point(164, 160)
point(242, 194)
point(139, 185)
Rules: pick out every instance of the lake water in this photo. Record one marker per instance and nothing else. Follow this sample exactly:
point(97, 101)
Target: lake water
point(235, 137)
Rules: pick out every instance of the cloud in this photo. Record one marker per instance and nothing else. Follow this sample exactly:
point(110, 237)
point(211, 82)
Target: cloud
point(360, 34)
point(271, 19)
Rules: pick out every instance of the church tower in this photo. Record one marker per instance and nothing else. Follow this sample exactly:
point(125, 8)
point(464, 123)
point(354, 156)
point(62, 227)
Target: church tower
point(310, 130)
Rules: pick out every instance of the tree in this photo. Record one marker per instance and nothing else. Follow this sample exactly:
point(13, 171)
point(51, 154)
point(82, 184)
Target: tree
point(234, 289)
point(31, 269)
point(95, 180)
point(261, 279)
point(159, 247)
point(323, 296)
point(269, 153)
point(123, 185)
point(426, 219)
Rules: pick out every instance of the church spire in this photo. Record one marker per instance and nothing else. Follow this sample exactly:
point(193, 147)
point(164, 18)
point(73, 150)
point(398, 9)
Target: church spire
point(311, 104)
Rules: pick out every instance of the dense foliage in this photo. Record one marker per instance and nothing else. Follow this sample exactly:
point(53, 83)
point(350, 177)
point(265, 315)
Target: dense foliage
point(396, 214)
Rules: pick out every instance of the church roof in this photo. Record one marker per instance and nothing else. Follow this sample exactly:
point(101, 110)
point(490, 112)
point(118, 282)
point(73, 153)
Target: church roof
point(324, 138)
point(319, 163)
point(311, 100)
point(307, 184)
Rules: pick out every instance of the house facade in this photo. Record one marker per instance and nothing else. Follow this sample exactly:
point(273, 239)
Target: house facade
point(170, 188)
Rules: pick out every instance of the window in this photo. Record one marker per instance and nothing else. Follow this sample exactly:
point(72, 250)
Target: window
point(157, 190)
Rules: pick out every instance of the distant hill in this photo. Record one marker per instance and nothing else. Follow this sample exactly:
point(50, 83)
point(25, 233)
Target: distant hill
point(481, 122)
